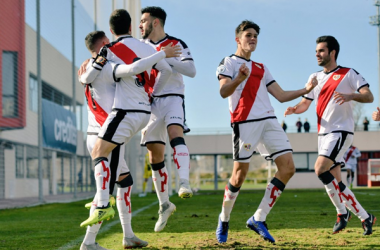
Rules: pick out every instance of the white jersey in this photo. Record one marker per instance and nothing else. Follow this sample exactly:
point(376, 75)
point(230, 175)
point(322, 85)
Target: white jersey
point(131, 92)
point(175, 83)
point(100, 95)
point(333, 117)
point(250, 100)
point(351, 156)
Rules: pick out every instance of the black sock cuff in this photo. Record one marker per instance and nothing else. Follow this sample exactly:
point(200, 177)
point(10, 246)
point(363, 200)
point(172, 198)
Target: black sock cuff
point(232, 188)
point(276, 182)
point(342, 187)
point(158, 166)
point(177, 141)
point(99, 159)
point(326, 177)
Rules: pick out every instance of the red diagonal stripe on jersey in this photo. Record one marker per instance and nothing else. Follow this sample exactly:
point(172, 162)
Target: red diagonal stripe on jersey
point(99, 113)
point(327, 91)
point(127, 56)
point(248, 95)
point(165, 43)
point(349, 153)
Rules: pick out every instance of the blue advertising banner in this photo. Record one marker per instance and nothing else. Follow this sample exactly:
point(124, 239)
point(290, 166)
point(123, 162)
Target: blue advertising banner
point(59, 127)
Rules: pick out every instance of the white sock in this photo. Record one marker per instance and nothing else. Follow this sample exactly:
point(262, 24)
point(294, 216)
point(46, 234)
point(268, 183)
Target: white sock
point(272, 193)
point(160, 180)
point(181, 157)
point(333, 191)
point(124, 207)
point(92, 231)
point(228, 203)
point(353, 204)
point(102, 178)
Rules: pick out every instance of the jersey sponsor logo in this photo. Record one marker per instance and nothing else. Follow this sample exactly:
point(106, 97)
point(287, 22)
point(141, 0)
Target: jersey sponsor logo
point(247, 146)
point(221, 69)
point(175, 117)
point(336, 77)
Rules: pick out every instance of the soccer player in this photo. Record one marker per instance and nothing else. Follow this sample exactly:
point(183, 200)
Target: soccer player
point(338, 87)
point(246, 84)
point(168, 114)
point(351, 159)
point(100, 94)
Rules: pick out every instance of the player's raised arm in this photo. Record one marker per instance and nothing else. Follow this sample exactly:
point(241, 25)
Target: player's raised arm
point(301, 107)
point(228, 86)
point(284, 96)
point(124, 70)
point(183, 64)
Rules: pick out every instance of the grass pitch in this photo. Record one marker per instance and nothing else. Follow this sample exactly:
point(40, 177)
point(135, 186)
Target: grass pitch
point(301, 219)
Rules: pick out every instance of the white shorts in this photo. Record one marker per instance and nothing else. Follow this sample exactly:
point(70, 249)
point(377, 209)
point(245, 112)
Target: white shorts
point(351, 166)
point(116, 158)
point(333, 145)
point(266, 135)
point(121, 125)
point(166, 111)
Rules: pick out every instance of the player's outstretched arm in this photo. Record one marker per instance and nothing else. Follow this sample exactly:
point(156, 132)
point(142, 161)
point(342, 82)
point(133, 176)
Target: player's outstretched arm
point(89, 74)
point(141, 65)
point(183, 63)
point(376, 115)
point(284, 96)
point(228, 85)
point(301, 107)
point(364, 96)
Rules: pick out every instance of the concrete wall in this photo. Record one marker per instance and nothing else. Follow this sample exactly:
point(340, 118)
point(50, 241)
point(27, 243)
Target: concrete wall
point(301, 142)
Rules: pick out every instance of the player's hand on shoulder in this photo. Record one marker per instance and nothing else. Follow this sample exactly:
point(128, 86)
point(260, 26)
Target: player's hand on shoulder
point(341, 98)
point(376, 115)
point(311, 84)
point(82, 68)
point(172, 51)
point(290, 110)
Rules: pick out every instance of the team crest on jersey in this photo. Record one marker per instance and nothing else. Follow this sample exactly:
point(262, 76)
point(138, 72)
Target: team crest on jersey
point(336, 77)
point(247, 146)
point(258, 66)
point(221, 69)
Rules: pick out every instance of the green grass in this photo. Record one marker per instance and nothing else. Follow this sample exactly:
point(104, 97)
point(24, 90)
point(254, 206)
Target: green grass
point(301, 219)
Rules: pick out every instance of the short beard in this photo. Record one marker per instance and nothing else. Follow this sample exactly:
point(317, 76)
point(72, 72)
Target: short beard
point(148, 31)
point(324, 62)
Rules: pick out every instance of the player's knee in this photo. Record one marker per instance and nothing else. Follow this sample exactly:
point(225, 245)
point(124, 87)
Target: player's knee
point(126, 182)
point(177, 141)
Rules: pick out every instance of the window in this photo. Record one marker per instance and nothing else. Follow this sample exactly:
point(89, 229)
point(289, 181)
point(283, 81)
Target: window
point(33, 94)
point(31, 162)
point(9, 81)
point(20, 166)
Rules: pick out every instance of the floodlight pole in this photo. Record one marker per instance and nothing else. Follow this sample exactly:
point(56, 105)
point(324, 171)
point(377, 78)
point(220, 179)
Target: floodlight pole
point(375, 21)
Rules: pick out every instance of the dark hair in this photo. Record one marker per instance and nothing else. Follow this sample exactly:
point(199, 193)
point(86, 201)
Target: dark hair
point(331, 42)
point(120, 22)
point(246, 24)
point(156, 12)
point(92, 38)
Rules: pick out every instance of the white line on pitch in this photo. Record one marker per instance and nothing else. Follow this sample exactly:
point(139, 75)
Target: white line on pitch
point(104, 228)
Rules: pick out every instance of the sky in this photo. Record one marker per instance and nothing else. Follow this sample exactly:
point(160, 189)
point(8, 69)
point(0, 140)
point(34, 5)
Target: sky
point(286, 44)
